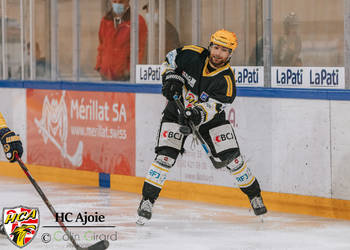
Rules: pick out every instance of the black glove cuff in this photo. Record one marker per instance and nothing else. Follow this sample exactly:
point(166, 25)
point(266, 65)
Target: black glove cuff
point(174, 76)
point(203, 114)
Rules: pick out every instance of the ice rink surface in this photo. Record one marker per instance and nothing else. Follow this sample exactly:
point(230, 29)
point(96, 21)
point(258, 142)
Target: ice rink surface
point(175, 224)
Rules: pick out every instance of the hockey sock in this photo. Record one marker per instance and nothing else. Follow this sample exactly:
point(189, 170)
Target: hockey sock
point(156, 177)
point(150, 192)
point(244, 177)
point(253, 190)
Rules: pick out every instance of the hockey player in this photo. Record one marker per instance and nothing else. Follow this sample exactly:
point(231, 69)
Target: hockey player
point(206, 84)
point(11, 144)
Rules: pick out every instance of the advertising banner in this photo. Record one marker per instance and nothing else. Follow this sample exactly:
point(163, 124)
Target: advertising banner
point(148, 73)
point(308, 77)
point(249, 76)
point(92, 131)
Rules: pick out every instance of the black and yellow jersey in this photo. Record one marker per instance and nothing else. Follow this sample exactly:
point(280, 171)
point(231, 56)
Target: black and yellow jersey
point(211, 90)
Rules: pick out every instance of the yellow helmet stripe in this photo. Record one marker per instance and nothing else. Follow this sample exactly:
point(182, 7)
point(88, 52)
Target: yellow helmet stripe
point(220, 42)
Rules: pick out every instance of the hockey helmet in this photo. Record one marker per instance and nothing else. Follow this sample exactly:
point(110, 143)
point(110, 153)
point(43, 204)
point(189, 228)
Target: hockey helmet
point(224, 38)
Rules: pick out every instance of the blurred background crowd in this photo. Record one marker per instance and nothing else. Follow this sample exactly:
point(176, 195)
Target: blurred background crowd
point(88, 40)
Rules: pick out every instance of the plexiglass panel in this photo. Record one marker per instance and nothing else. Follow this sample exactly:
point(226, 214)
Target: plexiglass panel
point(308, 33)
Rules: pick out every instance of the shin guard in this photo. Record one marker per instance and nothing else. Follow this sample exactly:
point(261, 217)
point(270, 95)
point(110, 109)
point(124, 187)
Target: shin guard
point(244, 177)
point(156, 176)
point(241, 172)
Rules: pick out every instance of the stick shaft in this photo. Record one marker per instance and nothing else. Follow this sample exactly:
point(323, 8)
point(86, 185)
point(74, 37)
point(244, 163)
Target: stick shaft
point(194, 129)
point(216, 164)
point(47, 202)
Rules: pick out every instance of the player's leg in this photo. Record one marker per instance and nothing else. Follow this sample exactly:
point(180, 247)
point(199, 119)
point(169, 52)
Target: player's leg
point(223, 143)
point(246, 181)
point(169, 144)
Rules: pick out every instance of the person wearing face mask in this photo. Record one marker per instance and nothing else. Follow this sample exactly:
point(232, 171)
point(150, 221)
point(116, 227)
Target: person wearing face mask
point(113, 53)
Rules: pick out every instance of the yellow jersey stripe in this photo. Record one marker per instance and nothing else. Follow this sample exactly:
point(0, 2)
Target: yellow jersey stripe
point(163, 169)
point(215, 72)
point(229, 85)
point(194, 48)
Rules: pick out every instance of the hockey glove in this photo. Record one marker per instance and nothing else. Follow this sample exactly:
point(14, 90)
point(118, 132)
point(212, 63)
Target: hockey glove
point(195, 114)
point(172, 84)
point(11, 143)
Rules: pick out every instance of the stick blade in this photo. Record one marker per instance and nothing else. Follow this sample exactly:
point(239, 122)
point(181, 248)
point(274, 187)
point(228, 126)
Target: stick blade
point(101, 245)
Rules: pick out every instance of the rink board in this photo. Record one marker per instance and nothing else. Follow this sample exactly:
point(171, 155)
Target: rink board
point(297, 147)
point(51, 174)
point(281, 202)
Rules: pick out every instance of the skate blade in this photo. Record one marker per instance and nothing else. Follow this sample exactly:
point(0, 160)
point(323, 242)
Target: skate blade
point(141, 221)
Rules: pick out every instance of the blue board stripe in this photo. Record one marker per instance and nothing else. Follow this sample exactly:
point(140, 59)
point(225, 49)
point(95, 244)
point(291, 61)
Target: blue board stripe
point(320, 94)
point(84, 86)
point(104, 180)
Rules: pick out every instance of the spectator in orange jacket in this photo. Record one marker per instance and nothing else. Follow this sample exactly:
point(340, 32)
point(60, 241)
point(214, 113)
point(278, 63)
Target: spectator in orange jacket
point(113, 58)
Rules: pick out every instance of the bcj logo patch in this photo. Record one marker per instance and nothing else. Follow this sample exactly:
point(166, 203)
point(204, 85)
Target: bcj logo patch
point(21, 224)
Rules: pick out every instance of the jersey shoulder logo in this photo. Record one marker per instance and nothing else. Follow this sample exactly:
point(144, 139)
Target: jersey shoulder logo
point(171, 56)
point(190, 99)
point(204, 96)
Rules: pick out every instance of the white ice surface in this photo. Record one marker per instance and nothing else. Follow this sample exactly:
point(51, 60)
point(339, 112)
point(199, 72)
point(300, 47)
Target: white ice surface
point(175, 224)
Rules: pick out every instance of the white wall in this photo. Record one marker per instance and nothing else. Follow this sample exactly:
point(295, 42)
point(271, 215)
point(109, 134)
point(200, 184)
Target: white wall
point(340, 149)
point(293, 146)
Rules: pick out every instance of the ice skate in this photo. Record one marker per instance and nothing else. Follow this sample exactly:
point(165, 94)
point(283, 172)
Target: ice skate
point(144, 212)
point(258, 205)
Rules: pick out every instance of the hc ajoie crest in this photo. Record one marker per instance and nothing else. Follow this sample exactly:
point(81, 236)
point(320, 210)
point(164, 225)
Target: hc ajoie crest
point(21, 224)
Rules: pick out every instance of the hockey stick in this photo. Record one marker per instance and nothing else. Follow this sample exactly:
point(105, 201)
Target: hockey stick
point(101, 245)
point(216, 164)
